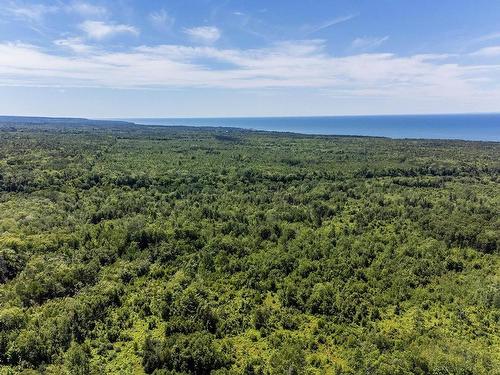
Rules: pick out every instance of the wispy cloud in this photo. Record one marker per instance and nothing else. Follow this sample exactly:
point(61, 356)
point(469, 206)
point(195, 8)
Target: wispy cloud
point(311, 29)
point(75, 44)
point(36, 12)
point(487, 52)
point(86, 9)
point(487, 37)
point(100, 30)
point(368, 43)
point(204, 34)
point(161, 20)
point(30, 12)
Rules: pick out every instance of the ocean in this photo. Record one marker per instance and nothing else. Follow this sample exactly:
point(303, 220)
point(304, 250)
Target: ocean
point(477, 127)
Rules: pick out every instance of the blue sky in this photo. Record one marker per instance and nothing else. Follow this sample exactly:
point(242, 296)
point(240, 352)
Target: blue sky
point(158, 58)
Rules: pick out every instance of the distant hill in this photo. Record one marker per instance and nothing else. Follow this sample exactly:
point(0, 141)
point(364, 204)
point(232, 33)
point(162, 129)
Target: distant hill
point(59, 120)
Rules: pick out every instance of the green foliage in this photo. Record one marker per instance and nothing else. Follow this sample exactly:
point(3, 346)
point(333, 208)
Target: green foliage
point(77, 359)
point(127, 249)
point(288, 360)
point(195, 354)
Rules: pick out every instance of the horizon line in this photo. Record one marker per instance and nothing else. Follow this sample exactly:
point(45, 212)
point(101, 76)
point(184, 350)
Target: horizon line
point(253, 116)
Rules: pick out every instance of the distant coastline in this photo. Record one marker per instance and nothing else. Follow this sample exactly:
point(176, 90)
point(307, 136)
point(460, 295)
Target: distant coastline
point(467, 127)
point(471, 127)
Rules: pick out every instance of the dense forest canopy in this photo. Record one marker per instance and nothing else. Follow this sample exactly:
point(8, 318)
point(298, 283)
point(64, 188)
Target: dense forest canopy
point(131, 249)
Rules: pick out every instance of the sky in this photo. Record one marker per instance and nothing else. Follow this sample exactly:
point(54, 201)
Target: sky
point(195, 58)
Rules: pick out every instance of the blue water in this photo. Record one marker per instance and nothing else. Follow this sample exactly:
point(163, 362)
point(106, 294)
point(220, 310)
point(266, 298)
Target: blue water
point(479, 127)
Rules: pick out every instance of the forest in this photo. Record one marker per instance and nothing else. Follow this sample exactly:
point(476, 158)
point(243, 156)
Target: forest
point(129, 249)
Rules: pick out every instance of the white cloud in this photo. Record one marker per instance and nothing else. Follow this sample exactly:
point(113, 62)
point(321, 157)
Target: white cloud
point(161, 20)
point(293, 64)
point(487, 52)
point(308, 29)
point(101, 30)
point(204, 34)
point(36, 12)
point(368, 43)
point(86, 9)
point(487, 37)
point(76, 44)
point(30, 12)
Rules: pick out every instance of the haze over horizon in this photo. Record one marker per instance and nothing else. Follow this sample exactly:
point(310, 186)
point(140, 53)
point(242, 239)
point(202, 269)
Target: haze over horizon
point(108, 59)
